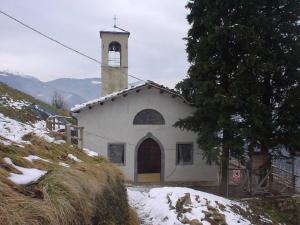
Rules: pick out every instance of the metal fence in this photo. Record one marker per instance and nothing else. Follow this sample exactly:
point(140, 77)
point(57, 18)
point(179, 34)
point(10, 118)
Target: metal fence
point(287, 165)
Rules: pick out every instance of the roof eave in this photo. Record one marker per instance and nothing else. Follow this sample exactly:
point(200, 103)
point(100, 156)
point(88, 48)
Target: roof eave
point(131, 90)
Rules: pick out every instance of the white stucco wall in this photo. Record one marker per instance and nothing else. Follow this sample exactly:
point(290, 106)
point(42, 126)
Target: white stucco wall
point(113, 122)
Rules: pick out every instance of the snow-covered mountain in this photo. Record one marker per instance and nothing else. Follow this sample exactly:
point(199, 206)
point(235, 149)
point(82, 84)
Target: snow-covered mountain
point(74, 91)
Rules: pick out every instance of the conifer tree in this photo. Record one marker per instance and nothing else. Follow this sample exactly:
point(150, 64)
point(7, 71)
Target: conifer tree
point(243, 78)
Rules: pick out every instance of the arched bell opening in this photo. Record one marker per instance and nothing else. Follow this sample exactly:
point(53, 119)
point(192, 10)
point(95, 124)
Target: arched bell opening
point(114, 54)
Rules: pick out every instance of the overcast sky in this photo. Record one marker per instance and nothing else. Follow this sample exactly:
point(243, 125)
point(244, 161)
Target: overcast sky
point(156, 45)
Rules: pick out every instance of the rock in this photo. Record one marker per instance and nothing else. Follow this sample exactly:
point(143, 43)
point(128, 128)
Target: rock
point(195, 222)
point(207, 214)
point(170, 202)
point(185, 220)
point(197, 198)
point(219, 217)
point(181, 202)
point(187, 199)
point(210, 208)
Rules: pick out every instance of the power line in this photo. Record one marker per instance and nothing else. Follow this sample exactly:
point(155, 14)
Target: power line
point(64, 45)
point(48, 37)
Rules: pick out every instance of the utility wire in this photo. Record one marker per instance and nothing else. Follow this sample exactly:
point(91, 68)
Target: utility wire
point(68, 47)
point(48, 37)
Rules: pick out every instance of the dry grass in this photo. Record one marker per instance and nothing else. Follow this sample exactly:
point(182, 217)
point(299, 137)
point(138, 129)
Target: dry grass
point(92, 192)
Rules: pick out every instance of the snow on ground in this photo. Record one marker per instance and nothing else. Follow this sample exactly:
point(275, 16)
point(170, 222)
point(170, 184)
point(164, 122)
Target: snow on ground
point(90, 152)
point(28, 175)
point(73, 157)
point(178, 206)
point(35, 157)
point(60, 142)
point(64, 164)
point(5, 100)
point(12, 131)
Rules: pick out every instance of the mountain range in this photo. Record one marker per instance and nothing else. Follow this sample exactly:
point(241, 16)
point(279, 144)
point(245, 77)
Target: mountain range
point(73, 91)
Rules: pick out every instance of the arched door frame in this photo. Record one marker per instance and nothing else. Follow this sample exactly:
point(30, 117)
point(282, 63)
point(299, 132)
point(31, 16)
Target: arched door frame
point(162, 158)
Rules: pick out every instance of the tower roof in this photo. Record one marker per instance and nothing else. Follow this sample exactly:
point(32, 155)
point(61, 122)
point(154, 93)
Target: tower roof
point(114, 32)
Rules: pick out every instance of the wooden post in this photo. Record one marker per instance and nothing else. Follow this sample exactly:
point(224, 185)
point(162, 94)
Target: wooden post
point(293, 175)
point(251, 172)
point(68, 134)
point(47, 123)
point(53, 123)
point(81, 137)
point(58, 122)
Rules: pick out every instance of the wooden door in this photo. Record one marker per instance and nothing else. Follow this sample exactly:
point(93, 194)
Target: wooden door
point(149, 159)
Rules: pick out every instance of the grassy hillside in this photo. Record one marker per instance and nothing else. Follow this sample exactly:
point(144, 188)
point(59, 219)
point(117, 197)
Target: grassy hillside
point(26, 113)
point(71, 187)
point(91, 192)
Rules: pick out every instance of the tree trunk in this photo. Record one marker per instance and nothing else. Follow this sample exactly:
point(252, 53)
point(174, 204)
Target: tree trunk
point(251, 171)
point(224, 172)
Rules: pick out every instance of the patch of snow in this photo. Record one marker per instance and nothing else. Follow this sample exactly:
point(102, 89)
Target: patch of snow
point(4, 142)
point(21, 146)
point(13, 130)
point(35, 157)
point(4, 75)
point(39, 128)
point(90, 152)
point(96, 82)
point(64, 164)
point(59, 142)
point(237, 118)
point(73, 157)
point(45, 137)
point(157, 206)
point(28, 175)
point(5, 100)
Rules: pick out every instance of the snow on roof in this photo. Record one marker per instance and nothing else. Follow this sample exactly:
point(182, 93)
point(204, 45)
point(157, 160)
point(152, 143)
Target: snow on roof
point(138, 86)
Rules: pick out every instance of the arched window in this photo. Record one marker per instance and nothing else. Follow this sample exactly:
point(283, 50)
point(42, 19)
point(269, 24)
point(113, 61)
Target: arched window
point(114, 54)
point(148, 116)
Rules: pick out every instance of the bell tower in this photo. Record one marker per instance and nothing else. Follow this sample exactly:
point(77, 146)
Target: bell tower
point(114, 69)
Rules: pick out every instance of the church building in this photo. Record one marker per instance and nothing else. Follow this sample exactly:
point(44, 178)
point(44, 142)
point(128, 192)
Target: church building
point(133, 126)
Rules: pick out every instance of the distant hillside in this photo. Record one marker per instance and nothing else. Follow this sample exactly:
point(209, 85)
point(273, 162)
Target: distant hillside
point(74, 91)
point(88, 88)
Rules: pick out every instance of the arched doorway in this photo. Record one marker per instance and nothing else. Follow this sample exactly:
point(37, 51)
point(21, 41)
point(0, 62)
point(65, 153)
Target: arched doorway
point(149, 161)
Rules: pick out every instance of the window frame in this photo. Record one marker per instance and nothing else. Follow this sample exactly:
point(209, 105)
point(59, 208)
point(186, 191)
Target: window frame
point(162, 122)
point(124, 149)
point(192, 153)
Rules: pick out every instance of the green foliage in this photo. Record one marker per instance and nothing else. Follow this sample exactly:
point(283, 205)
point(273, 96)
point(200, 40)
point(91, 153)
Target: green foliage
point(244, 75)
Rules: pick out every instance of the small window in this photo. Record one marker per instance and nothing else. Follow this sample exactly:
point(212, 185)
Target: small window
point(116, 153)
point(148, 116)
point(184, 153)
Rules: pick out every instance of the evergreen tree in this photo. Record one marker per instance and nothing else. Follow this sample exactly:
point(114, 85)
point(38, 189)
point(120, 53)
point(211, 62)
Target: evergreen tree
point(244, 76)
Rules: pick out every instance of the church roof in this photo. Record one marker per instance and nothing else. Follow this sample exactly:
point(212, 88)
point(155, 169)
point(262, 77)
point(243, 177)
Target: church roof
point(112, 96)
